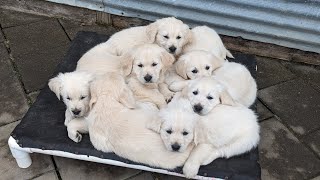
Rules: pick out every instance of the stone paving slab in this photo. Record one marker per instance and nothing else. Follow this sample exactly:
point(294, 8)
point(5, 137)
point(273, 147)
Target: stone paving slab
point(316, 178)
point(12, 99)
point(295, 103)
point(48, 176)
point(8, 167)
point(282, 156)
point(1, 37)
point(33, 96)
point(307, 72)
point(73, 27)
point(142, 176)
point(262, 111)
point(76, 169)
point(9, 18)
point(313, 140)
point(271, 72)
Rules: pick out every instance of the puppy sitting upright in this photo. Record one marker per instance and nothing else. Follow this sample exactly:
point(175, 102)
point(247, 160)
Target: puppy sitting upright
point(73, 87)
point(146, 65)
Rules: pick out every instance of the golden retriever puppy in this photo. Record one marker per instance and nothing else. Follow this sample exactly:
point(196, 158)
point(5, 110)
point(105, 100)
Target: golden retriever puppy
point(207, 39)
point(234, 76)
point(115, 127)
point(146, 65)
point(73, 87)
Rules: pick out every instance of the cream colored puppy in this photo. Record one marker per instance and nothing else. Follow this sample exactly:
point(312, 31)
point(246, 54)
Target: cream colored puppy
point(115, 127)
point(73, 87)
point(169, 33)
point(207, 39)
point(234, 76)
point(146, 66)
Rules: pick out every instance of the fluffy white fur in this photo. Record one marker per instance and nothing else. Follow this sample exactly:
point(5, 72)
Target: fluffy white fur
point(73, 87)
point(164, 32)
point(207, 39)
point(149, 61)
point(235, 77)
point(226, 131)
point(115, 127)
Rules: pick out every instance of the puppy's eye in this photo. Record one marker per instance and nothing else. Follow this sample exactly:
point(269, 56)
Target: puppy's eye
point(194, 71)
point(178, 37)
point(167, 37)
point(82, 97)
point(185, 133)
point(154, 64)
point(140, 65)
point(195, 92)
point(209, 97)
point(169, 131)
point(207, 67)
point(68, 98)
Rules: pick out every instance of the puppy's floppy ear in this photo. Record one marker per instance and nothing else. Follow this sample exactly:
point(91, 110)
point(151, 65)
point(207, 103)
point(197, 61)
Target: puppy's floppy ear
point(167, 59)
point(152, 30)
point(93, 95)
point(154, 124)
point(126, 98)
point(225, 98)
point(216, 62)
point(55, 84)
point(126, 63)
point(188, 35)
point(181, 68)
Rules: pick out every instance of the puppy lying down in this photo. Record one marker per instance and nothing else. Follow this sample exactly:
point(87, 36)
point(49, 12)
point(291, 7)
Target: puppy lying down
point(222, 131)
point(114, 126)
point(73, 87)
point(146, 66)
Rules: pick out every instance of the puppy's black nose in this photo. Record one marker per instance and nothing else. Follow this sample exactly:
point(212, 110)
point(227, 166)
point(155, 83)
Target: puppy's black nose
point(175, 147)
point(76, 112)
point(147, 78)
point(197, 108)
point(172, 49)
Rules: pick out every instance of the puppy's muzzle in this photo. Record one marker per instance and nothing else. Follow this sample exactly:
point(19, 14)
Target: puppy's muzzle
point(175, 147)
point(172, 49)
point(147, 78)
point(197, 108)
point(76, 112)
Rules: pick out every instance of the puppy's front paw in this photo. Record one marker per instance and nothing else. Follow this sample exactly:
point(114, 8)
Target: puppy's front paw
point(190, 170)
point(76, 137)
point(168, 97)
point(66, 121)
point(177, 86)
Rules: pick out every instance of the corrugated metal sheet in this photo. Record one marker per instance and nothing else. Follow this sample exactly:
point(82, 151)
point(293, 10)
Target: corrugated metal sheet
point(291, 23)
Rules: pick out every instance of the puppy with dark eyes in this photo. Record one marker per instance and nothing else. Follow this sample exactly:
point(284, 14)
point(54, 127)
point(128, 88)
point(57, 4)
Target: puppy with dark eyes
point(73, 87)
point(146, 66)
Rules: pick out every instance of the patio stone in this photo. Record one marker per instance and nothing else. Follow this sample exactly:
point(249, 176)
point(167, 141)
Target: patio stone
point(72, 28)
point(33, 96)
point(282, 155)
point(9, 18)
point(76, 169)
point(48, 176)
point(316, 178)
point(313, 140)
point(271, 72)
point(307, 72)
point(8, 167)
point(12, 99)
point(142, 176)
point(262, 111)
point(295, 103)
point(1, 37)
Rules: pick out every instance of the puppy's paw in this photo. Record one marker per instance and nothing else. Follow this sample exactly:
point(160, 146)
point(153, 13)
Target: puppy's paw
point(168, 97)
point(177, 86)
point(66, 121)
point(190, 170)
point(76, 137)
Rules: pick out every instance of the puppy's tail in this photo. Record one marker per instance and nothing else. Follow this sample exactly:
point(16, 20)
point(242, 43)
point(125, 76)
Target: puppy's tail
point(228, 53)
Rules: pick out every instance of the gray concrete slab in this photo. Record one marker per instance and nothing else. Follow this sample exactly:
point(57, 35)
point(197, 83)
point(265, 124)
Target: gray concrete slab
point(313, 140)
point(1, 37)
point(262, 111)
point(48, 176)
point(271, 72)
point(143, 176)
point(76, 169)
point(296, 103)
point(72, 28)
point(316, 178)
point(282, 156)
point(8, 166)
point(12, 99)
point(33, 96)
point(9, 18)
point(307, 72)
